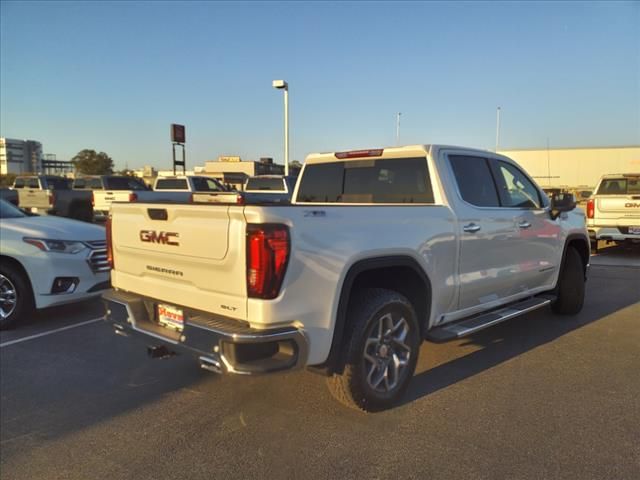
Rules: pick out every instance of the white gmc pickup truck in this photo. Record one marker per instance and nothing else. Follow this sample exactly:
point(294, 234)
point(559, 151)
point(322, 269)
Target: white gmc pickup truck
point(379, 250)
point(613, 211)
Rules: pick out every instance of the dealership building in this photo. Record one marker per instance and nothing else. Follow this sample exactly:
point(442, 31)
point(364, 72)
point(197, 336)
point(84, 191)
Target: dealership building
point(575, 167)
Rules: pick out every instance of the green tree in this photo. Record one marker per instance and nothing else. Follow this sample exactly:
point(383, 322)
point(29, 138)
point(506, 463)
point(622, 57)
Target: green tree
point(91, 162)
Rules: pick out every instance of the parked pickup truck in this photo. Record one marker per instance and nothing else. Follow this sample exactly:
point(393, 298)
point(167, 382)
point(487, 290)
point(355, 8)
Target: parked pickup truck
point(179, 189)
point(109, 188)
point(269, 189)
point(53, 195)
point(379, 250)
point(613, 212)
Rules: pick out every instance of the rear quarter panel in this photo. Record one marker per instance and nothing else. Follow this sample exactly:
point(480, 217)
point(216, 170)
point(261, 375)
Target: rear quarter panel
point(327, 240)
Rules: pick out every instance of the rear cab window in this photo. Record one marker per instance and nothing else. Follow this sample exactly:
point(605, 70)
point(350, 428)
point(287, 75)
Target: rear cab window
point(620, 186)
point(257, 184)
point(171, 184)
point(19, 183)
point(379, 181)
point(123, 183)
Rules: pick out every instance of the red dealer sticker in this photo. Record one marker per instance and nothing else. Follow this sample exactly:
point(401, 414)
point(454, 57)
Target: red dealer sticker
point(171, 317)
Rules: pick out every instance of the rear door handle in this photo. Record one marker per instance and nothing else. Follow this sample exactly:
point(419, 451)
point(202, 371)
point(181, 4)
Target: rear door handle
point(471, 228)
point(524, 224)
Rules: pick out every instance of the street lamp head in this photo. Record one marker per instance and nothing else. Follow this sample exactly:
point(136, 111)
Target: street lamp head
point(280, 84)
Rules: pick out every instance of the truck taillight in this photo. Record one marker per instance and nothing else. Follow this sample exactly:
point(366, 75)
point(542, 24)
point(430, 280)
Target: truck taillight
point(239, 200)
point(591, 208)
point(52, 199)
point(107, 226)
point(93, 199)
point(133, 197)
point(268, 249)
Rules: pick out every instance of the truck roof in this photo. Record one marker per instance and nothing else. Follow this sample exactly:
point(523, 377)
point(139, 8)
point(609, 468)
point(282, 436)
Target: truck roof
point(385, 152)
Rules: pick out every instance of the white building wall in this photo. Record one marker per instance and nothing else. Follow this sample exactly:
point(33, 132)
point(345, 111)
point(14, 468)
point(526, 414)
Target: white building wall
point(573, 167)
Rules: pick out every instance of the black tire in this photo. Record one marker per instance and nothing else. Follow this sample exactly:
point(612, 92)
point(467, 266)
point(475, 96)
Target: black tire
point(571, 285)
point(371, 311)
point(12, 279)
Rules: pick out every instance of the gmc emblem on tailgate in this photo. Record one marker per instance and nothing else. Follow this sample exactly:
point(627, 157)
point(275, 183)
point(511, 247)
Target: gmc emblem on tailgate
point(164, 238)
point(632, 205)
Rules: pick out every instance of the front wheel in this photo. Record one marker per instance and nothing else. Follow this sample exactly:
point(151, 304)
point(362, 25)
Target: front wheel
point(570, 285)
point(380, 351)
point(16, 299)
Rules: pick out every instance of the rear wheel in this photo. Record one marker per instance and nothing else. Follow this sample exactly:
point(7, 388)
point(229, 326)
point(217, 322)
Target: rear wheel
point(16, 298)
point(380, 352)
point(571, 285)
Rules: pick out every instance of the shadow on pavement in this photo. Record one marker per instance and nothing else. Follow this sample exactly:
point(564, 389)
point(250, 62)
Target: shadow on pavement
point(515, 337)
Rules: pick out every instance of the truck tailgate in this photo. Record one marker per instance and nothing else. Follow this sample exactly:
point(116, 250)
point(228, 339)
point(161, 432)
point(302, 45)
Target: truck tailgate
point(40, 199)
point(103, 199)
point(618, 210)
point(186, 255)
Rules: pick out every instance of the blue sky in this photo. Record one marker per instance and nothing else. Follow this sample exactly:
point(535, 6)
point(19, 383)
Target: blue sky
point(112, 76)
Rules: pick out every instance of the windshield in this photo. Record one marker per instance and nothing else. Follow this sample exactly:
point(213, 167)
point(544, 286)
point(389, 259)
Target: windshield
point(620, 186)
point(265, 184)
point(204, 184)
point(9, 211)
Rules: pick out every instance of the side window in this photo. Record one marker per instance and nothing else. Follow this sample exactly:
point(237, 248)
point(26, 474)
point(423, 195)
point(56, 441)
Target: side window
point(474, 180)
point(516, 190)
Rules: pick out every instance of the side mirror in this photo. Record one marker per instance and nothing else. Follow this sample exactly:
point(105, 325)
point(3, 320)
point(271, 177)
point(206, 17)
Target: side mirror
point(562, 202)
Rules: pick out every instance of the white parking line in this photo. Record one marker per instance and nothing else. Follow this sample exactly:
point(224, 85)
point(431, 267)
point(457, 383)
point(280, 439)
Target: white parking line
point(38, 335)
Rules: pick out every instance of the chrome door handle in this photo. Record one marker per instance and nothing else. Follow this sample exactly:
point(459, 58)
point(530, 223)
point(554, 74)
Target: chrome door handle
point(471, 228)
point(524, 224)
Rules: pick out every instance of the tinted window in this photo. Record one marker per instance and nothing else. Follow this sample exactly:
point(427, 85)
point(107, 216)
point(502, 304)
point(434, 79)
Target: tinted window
point(516, 190)
point(33, 183)
point(474, 180)
point(124, 183)
point(203, 184)
point(620, 186)
point(404, 180)
point(95, 184)
point(172, 184)
point(19, 183)
point(79, 183)
point(262, 184)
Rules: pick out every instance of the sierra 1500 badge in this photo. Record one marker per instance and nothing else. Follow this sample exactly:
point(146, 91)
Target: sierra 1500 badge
point(164, 238)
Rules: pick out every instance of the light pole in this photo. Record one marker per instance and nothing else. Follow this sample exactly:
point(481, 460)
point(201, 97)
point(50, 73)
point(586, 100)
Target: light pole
point(497, 128)
point(282, 85)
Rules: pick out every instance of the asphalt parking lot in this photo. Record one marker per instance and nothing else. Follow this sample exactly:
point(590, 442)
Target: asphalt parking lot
point(541, 396)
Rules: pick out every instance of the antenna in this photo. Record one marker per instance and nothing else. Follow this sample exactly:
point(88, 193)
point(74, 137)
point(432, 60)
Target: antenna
point(497, 128)
point(398, 128)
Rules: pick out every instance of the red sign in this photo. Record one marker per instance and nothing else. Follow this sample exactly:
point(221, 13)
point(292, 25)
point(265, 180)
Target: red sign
point(177, 133)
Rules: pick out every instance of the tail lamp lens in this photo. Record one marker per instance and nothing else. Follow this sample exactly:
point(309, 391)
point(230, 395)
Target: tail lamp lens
point(591, 207)
point(109, 242)
point(133, 197)
point(268, 247)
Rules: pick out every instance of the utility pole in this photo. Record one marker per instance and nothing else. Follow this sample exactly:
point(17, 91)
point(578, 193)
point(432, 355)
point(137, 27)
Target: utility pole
point(398, 128)
point(497, 128)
